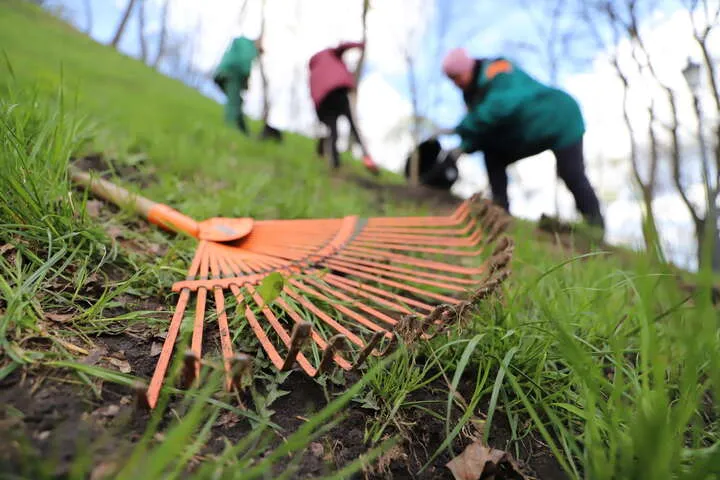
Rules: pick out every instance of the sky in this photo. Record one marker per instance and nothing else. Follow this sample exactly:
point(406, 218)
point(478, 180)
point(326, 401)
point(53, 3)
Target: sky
point(422, 30)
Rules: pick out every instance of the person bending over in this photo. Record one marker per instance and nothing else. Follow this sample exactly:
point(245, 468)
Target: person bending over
point(232, 75)
point(512, 116)
point(330, 85)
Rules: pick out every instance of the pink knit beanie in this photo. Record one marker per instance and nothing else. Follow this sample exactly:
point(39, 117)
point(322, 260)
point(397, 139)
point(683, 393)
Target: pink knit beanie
point(456, 62)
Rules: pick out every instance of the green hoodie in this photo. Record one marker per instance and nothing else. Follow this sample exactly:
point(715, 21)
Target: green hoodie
point(237, 60)
point(514, 115)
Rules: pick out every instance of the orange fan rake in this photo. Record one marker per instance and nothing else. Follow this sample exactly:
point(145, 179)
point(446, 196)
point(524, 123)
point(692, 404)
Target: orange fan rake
point(343, 285)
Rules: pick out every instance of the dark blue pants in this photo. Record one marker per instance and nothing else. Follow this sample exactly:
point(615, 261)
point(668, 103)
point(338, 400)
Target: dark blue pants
point(570, 168)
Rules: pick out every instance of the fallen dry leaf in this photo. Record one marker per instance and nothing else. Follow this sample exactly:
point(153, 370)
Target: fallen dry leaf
point(93, 207)
point(94, 356)
point(156, 249)
point(72, 346)
point(59, 317)
point(103, 471)
point(155, 349)
point(115, 232)
point(479, 461)
point(227, 419)
point(317, 449)
point(122, 365)
point(107, 411)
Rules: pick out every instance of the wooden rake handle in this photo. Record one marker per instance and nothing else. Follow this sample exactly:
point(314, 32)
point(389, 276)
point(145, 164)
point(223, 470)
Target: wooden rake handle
point(157, 213)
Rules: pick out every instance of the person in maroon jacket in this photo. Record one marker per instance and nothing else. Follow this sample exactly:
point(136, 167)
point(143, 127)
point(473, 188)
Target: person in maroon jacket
point(330, 84)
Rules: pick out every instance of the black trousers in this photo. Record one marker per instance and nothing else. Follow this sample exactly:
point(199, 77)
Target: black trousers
point(570, 163)
point(335, 105)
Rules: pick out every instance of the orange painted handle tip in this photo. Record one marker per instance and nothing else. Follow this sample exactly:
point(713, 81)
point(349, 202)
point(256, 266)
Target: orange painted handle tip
point(171, 219)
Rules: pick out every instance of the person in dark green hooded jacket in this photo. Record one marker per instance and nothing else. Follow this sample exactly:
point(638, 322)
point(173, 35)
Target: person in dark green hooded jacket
point(232, 75)
point(512, 116)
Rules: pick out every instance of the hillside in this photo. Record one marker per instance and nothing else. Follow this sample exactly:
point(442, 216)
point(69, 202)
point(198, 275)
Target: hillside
point(592, 365)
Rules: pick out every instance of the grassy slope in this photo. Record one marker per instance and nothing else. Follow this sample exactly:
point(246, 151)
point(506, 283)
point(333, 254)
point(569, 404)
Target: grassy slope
point(607, 363)
point(175, 126)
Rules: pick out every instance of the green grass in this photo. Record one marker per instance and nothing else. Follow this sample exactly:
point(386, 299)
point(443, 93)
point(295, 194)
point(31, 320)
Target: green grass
point(601, 356)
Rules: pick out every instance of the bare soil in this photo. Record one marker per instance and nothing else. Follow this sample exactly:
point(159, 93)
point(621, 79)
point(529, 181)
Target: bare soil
point(49, 416)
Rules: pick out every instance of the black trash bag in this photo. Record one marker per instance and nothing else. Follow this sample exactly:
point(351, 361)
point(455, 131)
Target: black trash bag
point(438, 168)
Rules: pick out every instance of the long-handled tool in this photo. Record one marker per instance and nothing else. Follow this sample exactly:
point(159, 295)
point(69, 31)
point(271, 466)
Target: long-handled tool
point(343, 282)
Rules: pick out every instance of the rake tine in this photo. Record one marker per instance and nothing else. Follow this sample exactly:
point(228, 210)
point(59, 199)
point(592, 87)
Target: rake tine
point(389, 348)
point(319, 341)
point(481, 208)
point(334, 343)
point(377, 336)
point(168, 346)
point(222, 321)
point(438, 318)
point(498, 229)
point(490, 287)
point(503, 245)
point(305, 302)
point(498, 262)
point(492, 214)
point(411, 328)
point(199, 323)
point(191, 366)
point(300, 334)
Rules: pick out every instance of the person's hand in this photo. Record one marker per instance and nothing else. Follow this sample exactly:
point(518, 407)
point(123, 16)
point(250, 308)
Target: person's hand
point(456, 153)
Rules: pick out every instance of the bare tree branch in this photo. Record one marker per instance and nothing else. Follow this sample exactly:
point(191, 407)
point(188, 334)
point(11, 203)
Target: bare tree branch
point(141, 31)
point(87, 4)
point(123, 23)
point(263, 75)
point(701, 40)
point(361, 60)
point(359, 67)
point(414, 127)
point(162, 39)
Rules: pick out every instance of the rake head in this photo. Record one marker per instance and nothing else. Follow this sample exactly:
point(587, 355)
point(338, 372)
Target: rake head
point(349, 287)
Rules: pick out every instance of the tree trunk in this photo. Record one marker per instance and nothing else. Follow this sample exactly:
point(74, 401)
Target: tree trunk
point(708, 242)
point(141, 31)
point(162, 40)
point(123, 23)
point(649, 226)
point(415, 158)
point(263, 74)
point(361, 60)
point(88, 16)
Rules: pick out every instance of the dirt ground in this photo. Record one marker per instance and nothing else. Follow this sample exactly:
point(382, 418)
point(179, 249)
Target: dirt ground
point(50, 414)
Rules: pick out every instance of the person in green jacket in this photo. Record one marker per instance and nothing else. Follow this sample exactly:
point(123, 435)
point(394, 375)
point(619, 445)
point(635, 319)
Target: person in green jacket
point(232, 75)
point(512, 116)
